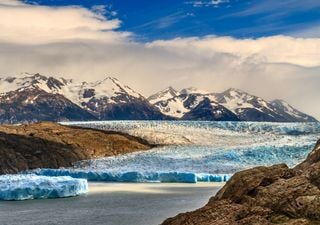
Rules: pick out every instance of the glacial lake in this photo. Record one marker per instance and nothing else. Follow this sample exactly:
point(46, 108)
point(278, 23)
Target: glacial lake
point(111, 204)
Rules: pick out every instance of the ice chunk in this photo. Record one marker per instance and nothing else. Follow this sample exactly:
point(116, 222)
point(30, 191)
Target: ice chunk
point(177, 177)
point(29, 186)
point(204, 177)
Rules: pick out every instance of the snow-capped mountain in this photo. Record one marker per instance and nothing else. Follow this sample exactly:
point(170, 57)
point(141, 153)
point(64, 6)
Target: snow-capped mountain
point(37, 97)
point(211, 111)
point(34, 97)
point(165, 94)
point(290, 112)
point(179, 105)
point(34, 104)
point(243, 106)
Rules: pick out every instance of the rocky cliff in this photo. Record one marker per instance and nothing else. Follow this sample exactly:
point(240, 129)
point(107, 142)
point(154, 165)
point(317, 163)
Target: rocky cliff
point(264, 196)
point(50, 145)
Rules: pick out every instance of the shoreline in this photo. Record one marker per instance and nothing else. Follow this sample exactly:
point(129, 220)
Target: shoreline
point(149, 187)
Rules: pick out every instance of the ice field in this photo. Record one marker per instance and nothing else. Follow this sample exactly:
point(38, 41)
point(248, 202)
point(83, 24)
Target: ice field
point(197, 151)
point(23, 187)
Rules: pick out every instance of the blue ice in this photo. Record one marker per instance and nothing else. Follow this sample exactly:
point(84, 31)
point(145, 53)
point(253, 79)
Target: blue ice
point(30, 186)
point(134, 176)
point(193, 151)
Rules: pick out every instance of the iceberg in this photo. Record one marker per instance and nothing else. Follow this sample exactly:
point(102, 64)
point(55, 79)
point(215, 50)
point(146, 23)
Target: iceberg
point(30, 186)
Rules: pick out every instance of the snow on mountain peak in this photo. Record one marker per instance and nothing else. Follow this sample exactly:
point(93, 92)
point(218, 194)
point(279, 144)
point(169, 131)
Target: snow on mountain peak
point(77, 92)
point(100, 96)
point(37, 80)
point(193, 90)
point(247, 107)
point(165, 94)
point(111, 86)
point(285, 107)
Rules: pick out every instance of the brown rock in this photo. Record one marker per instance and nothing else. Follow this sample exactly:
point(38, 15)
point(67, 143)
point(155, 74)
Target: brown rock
point(264, 196)
point(50, 145)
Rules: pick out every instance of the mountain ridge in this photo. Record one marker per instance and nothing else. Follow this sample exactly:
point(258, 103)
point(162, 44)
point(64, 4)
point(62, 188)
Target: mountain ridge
point(245, 106)
point(35, 97)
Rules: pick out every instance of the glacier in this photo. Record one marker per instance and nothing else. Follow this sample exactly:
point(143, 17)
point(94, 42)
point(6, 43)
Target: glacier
point(30, 186)
point(133, 176)
point(192, 151)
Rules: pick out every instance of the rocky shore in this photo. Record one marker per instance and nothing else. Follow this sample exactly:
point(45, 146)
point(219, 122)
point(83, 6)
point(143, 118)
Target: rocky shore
point(50, 145)
point(264, 196)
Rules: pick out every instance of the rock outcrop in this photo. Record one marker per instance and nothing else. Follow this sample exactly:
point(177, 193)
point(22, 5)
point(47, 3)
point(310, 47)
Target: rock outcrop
point(50, 145)
point(264, 196)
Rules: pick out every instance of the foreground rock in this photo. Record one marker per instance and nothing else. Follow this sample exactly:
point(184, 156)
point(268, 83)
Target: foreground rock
point(50, 145)
point(264, 195)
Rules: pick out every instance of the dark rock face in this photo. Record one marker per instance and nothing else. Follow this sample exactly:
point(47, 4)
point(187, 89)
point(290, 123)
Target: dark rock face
point(264, 195)
point(211, 111)
point(88, 93)
point(33, 104)
point(49, 145)
point(251, 114)
point(132, 111)
point(129, 108)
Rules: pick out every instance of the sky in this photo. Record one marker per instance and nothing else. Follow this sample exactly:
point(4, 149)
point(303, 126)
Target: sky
point(268, 48)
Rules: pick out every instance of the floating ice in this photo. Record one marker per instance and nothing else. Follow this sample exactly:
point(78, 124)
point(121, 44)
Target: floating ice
point(29, 186)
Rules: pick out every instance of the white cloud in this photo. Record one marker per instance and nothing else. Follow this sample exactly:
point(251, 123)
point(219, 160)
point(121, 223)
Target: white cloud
point(11, 3)
point(207, 3)
point(275, 49)
point(77, 43)
point(103, 10)
point(21, 23)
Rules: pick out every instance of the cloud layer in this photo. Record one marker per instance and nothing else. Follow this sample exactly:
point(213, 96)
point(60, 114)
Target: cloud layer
point(78, 43)
point(30, 24)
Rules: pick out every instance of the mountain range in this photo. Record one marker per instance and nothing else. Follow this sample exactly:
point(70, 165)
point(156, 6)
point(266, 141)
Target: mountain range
point(34, 97)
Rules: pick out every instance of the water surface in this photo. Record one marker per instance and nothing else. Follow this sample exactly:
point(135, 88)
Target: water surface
point(110, 204)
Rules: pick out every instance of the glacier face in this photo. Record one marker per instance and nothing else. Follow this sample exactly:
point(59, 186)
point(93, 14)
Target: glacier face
point(203, 149)
point(30, 186)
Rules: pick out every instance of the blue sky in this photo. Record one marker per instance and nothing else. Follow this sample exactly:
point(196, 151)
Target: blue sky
point(270, 48)
point(167, 19)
